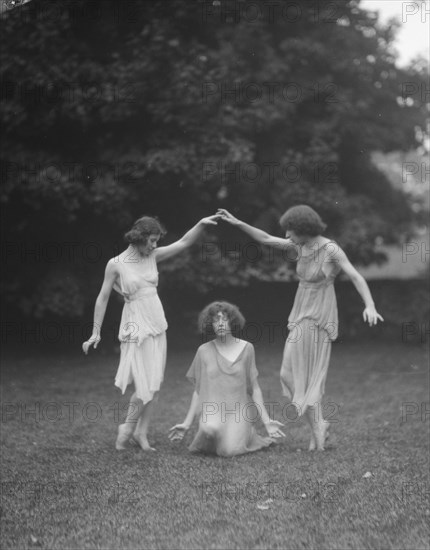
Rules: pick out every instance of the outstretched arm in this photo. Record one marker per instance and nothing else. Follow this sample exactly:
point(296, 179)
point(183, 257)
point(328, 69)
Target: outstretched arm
point(272, 426)
point(257, 234)
point(165, 252)
point(369, 314)
point(178, 431)
point(100, 307)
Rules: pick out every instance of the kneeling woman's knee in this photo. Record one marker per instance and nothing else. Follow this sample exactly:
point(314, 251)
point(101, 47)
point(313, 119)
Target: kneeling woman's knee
point(209, 430)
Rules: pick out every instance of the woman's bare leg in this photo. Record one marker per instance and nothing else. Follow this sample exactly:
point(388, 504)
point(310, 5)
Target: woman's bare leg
point(319, 428)
point(141, 429)
point(310, 417)
point(126, 430)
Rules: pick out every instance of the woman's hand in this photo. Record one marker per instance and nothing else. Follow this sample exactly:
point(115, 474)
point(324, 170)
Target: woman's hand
point(273, 430)
point(93, 341)
point(371, 316)
point(226, 216)
point(178, 431)
point(210, 220)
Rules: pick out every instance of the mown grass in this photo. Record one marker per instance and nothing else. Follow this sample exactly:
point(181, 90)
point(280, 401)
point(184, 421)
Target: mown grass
point(64, 485)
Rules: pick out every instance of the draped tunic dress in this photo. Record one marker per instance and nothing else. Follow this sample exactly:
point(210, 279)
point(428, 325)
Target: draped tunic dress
point(142, 331)
point(313, 325)
point(228, 414)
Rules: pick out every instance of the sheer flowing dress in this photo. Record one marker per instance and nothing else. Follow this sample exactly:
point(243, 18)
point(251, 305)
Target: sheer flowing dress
point(142, 331)
point(228, 414)
point(313, 325)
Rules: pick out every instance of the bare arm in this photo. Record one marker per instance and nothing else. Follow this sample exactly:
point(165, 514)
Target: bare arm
point(257, 234)
point(101, 304)
point(272, 426)
point(369, 314)
point(178, 431)
point(192, 411)
point(165, 252)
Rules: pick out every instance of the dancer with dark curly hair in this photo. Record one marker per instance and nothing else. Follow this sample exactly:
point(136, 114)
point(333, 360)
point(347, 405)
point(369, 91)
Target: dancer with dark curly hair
point(313, 321)
point(142, 334)
point(226, 395)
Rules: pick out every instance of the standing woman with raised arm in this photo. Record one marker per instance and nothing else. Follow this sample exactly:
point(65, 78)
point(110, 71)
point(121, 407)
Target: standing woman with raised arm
point(313, 321)
point(134, 275)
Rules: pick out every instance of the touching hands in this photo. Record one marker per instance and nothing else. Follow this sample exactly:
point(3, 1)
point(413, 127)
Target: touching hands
point(210, 220)
point(371, 316)
point(93, 341)
point(226, 216)
point(273, 429)
point(178, 432)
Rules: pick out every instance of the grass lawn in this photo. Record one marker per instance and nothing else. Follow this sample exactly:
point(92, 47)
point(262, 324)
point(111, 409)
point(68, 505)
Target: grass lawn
point(64, 485)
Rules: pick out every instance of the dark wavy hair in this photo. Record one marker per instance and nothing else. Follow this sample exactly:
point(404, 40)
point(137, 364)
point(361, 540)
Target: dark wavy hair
point(142, 228)
point(233, 313)
point(303, 220)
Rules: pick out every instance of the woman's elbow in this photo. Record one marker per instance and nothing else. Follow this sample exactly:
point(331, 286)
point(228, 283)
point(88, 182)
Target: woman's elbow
point(357, 279)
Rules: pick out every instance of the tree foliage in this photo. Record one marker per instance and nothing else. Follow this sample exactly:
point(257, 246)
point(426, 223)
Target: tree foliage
point(112, 109)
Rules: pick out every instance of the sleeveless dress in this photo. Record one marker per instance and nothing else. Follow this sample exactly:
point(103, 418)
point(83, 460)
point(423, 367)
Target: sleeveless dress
point(227, 412)
point(313, 325)
point(142, 331)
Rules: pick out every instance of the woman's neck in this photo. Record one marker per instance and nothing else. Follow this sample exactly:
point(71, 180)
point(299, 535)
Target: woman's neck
point(225, 339)
point(136, 252)
point(313, 243)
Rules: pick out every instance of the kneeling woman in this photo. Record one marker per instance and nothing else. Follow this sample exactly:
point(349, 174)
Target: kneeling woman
point(224, 376)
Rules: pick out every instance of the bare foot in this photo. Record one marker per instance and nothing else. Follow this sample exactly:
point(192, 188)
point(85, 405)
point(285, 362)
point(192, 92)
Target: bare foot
point(122, 438)
point(143, 443)
point(312, 443)
point(322, 434)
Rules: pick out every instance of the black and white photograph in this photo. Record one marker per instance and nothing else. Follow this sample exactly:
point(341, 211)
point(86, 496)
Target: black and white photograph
point(215, 250)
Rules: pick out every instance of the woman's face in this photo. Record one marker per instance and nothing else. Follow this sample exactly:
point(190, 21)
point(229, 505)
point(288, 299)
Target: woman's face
point(151, 244)
point(221, 324)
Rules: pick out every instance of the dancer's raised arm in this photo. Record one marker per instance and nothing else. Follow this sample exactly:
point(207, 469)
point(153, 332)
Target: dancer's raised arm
point(165, 252)
point(257, 234)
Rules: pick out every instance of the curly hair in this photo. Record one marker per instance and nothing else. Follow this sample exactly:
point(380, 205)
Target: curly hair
point(233, 313)
point(142, 229)
point(303, 220)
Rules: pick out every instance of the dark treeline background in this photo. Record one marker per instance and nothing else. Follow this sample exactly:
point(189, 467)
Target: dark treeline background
point(114, 109)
